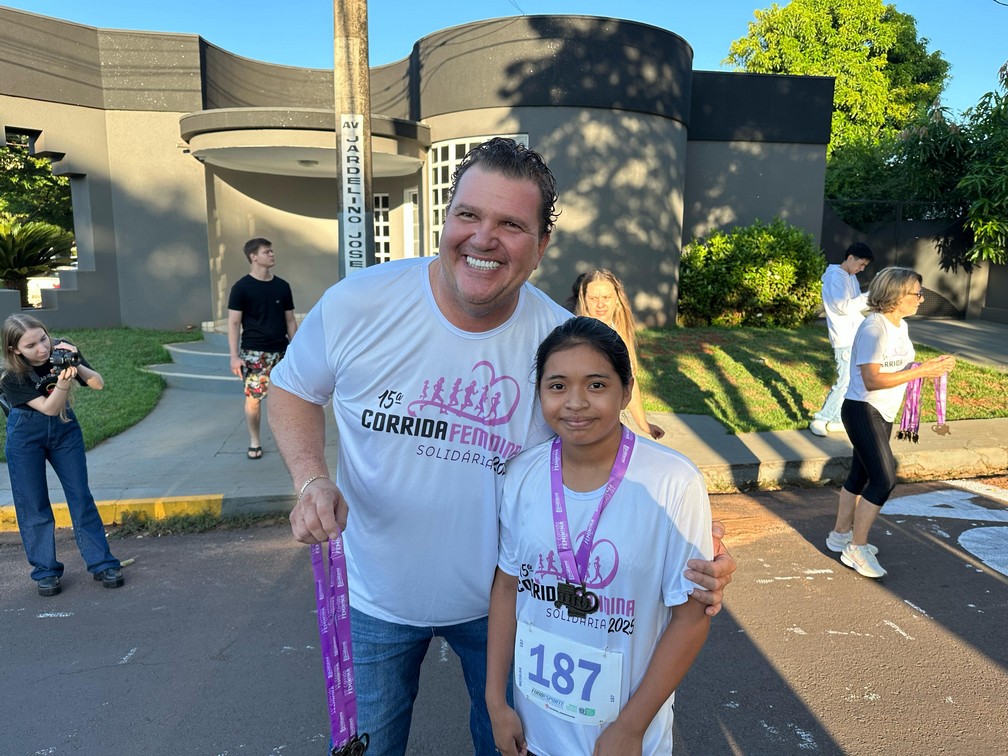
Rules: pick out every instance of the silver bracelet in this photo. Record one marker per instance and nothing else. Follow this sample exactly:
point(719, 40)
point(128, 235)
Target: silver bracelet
point(308, 482)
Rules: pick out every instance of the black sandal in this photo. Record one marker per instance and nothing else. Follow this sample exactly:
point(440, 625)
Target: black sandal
point(254, 452)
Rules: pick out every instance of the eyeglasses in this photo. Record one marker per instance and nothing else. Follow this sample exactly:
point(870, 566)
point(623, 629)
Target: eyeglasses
point(919, 293)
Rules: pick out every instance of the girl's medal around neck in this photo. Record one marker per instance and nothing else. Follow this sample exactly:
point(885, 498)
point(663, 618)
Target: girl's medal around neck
point(571, 591)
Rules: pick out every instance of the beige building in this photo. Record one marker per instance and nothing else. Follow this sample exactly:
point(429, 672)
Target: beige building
point(179, 151)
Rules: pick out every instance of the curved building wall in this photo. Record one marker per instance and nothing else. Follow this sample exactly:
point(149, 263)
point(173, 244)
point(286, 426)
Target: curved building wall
point(642, 146)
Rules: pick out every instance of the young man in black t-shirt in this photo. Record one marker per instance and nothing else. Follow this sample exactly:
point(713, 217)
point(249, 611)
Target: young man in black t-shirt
point(261, 309)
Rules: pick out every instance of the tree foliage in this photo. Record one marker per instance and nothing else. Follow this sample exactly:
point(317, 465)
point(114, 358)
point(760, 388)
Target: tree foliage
point(947, 167)
point(883, 72)
point(758, 275)
point(28, 189)
point(31, 249)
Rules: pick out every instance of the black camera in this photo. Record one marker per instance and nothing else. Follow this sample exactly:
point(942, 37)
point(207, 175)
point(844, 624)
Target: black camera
point(64, 358)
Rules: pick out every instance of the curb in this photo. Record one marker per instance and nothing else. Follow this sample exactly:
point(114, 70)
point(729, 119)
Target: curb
point(914, 466)
point(161, 508)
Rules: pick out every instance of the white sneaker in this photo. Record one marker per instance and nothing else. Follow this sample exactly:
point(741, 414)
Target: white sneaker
point(835, 428)
point(861, 559)
point(818, 427)
point(838, 542)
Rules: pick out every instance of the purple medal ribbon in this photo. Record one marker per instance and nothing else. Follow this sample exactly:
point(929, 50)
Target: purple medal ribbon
point(332, 598)
point(910, 420)
point(575, 567)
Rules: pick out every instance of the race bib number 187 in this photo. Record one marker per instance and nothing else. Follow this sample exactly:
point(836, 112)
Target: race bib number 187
point(573, 681)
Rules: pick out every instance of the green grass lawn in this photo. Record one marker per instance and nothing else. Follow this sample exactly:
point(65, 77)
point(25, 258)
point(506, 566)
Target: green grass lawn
point(749, 379)
point(760, 379)
point(129, 393)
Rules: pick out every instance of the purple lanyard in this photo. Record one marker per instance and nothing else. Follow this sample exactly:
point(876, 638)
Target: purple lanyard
point(333, 600)
point(576, 567)
point(910, 420)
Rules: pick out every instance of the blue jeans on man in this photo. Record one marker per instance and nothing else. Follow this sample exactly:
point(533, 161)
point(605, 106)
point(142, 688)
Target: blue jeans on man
point(830, 412)
point(387, 658)
point(33, 439)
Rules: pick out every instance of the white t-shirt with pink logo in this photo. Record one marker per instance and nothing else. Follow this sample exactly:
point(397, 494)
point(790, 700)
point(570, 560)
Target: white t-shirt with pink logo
point(659, 518)
point(879, 341)
point(427, 414)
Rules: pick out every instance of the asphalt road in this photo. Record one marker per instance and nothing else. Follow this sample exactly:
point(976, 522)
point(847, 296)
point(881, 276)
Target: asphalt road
point(211, 647)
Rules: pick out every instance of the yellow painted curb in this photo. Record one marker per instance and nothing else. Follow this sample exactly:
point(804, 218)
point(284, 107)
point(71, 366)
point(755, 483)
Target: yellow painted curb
point(112, 511)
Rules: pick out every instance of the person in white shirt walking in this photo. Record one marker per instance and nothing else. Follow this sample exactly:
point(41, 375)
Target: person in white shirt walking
point(844, 304)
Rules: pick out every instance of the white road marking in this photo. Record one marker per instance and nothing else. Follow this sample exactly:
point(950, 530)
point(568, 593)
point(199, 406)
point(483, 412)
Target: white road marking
point(948, 504)
point(128, 656)
point(991, 492)
point(47, 615)
point(912, 605)
point(989, 544)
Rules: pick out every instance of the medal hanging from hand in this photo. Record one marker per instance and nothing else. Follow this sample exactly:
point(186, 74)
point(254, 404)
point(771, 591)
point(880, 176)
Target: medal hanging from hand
point(910, 420)
point(571, 591)
point(332, 599)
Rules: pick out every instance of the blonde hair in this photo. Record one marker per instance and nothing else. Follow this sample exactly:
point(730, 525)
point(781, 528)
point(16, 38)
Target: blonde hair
point(14, 329)
point(623, 319)
point(889, 286)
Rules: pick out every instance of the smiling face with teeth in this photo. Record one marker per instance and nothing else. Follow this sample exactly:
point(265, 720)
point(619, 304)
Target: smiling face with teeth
point(490, 244)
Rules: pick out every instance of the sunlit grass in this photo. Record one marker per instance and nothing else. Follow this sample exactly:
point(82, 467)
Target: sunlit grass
point(118, 354)
point(757, 379)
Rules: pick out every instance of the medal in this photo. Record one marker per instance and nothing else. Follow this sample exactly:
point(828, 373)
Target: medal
point(571, 591)
point(580, 602)
point(356, 747)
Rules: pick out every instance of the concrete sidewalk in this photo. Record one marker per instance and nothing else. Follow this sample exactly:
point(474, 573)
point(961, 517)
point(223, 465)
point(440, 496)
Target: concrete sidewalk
point(188, 455)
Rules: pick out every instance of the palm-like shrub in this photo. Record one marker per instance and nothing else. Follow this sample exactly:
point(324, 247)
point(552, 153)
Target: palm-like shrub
point(31, 249)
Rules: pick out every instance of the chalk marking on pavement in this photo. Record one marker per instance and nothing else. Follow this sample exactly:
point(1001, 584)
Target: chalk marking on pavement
point(732, 705)
point(48, 615)
point(912, 605)
point(868, 695)
point(444, 651)
point(819, 572)
point(807, 740)
point(849, 632)
point(933, 527)
point(128, 656)
point(796, 630)
point(899, 630)
point(948, 699)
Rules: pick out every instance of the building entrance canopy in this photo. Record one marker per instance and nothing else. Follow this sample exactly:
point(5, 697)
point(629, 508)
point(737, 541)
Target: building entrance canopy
point(297, 142)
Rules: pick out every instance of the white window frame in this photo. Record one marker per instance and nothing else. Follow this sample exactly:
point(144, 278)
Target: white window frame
point(442, 161)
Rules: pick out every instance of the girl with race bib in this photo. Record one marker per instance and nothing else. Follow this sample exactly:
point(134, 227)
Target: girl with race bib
point(589, 603)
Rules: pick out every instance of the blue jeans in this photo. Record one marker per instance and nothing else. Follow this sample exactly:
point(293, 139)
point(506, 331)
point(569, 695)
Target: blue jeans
point(830, 412)
point(387, 659)
point(32, 440)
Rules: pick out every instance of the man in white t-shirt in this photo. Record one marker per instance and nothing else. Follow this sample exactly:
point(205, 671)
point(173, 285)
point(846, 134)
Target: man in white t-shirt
point(427, 362)
point(844, 304)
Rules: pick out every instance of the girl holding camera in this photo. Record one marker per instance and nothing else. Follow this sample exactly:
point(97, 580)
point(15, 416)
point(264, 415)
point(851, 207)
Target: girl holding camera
point(42, 427)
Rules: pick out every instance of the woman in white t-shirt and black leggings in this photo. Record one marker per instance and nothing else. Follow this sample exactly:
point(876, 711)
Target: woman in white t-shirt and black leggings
point(880, 369)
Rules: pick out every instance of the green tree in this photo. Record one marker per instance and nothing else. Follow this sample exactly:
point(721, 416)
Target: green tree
point(882, 71)
point(916, 76)
point(28, 189)
point(942, 167)
point(31, 249)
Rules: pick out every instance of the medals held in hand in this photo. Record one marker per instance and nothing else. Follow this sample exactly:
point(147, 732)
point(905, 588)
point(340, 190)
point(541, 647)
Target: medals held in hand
point(580, 602)
point(355, 747)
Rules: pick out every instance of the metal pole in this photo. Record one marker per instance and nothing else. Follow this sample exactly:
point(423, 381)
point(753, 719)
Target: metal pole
point(352, 89)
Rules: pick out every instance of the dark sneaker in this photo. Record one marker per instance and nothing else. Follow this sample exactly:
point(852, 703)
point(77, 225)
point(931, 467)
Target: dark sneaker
point(110, 577)
point(49, 586)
